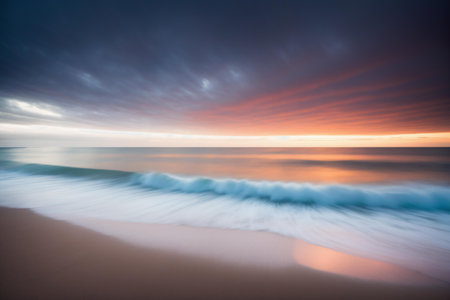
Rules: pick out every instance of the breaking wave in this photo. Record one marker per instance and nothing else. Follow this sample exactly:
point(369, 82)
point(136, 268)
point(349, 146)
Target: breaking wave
point(410, 196)
point(406, 224)
point(421, 197)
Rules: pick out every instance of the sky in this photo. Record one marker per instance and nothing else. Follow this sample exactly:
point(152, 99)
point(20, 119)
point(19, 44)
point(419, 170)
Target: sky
point(224, 73)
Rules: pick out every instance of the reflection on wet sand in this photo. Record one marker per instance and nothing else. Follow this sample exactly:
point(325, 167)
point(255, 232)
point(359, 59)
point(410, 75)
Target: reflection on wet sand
point(332, 261)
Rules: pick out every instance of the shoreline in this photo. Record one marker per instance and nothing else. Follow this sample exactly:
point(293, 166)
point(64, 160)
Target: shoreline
point(51, 259)
point(252, 248)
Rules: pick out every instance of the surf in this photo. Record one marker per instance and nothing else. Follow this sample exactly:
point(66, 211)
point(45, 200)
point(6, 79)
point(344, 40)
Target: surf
point(406, 196)
point(384, 222)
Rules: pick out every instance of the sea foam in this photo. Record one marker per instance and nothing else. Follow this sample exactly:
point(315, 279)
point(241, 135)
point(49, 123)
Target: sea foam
point(406, 196)
point(405, 224)
point(409, 196)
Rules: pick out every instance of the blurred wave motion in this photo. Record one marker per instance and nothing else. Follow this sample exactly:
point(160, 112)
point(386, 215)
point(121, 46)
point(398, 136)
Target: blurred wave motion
point(405, 221)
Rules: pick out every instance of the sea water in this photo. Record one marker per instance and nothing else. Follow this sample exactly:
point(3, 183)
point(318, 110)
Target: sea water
point(389, 204)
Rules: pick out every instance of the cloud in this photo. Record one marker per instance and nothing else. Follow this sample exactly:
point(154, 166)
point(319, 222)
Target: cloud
point(33, 108)
point(227, 67)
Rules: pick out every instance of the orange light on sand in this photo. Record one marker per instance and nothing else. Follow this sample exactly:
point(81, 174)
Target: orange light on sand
point(332, 261)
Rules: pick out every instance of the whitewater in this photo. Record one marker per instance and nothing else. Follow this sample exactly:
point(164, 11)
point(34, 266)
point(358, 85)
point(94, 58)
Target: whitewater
point(406, 224)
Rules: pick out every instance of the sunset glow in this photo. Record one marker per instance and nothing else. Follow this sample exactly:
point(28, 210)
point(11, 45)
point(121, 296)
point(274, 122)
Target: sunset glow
point(297, 74)
point(225, 149)
point(55, 136)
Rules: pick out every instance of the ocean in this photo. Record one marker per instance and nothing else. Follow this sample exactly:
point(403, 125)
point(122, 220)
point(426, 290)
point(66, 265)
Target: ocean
point(388, 204)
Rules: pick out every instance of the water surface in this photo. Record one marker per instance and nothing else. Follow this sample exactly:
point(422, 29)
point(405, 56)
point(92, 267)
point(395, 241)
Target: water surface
point(388, 204)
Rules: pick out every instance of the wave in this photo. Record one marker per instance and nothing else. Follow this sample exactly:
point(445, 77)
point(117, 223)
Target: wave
point(405, 224)
point(422, 197)
point(412, 196)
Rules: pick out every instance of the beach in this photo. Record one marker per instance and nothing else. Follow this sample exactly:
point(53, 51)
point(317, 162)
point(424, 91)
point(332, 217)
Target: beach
point(43, 258)
point(224, 150)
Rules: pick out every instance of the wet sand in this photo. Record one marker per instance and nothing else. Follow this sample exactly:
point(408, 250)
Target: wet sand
point(42, 258)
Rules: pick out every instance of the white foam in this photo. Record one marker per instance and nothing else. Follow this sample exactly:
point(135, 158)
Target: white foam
point(424, 197)
point(416, 239)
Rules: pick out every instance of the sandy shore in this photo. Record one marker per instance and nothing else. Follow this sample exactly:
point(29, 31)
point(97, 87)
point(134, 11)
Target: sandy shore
point(42, 258)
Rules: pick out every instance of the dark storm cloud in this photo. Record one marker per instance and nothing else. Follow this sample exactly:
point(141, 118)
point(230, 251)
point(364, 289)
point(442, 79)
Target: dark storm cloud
point(180, 65)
